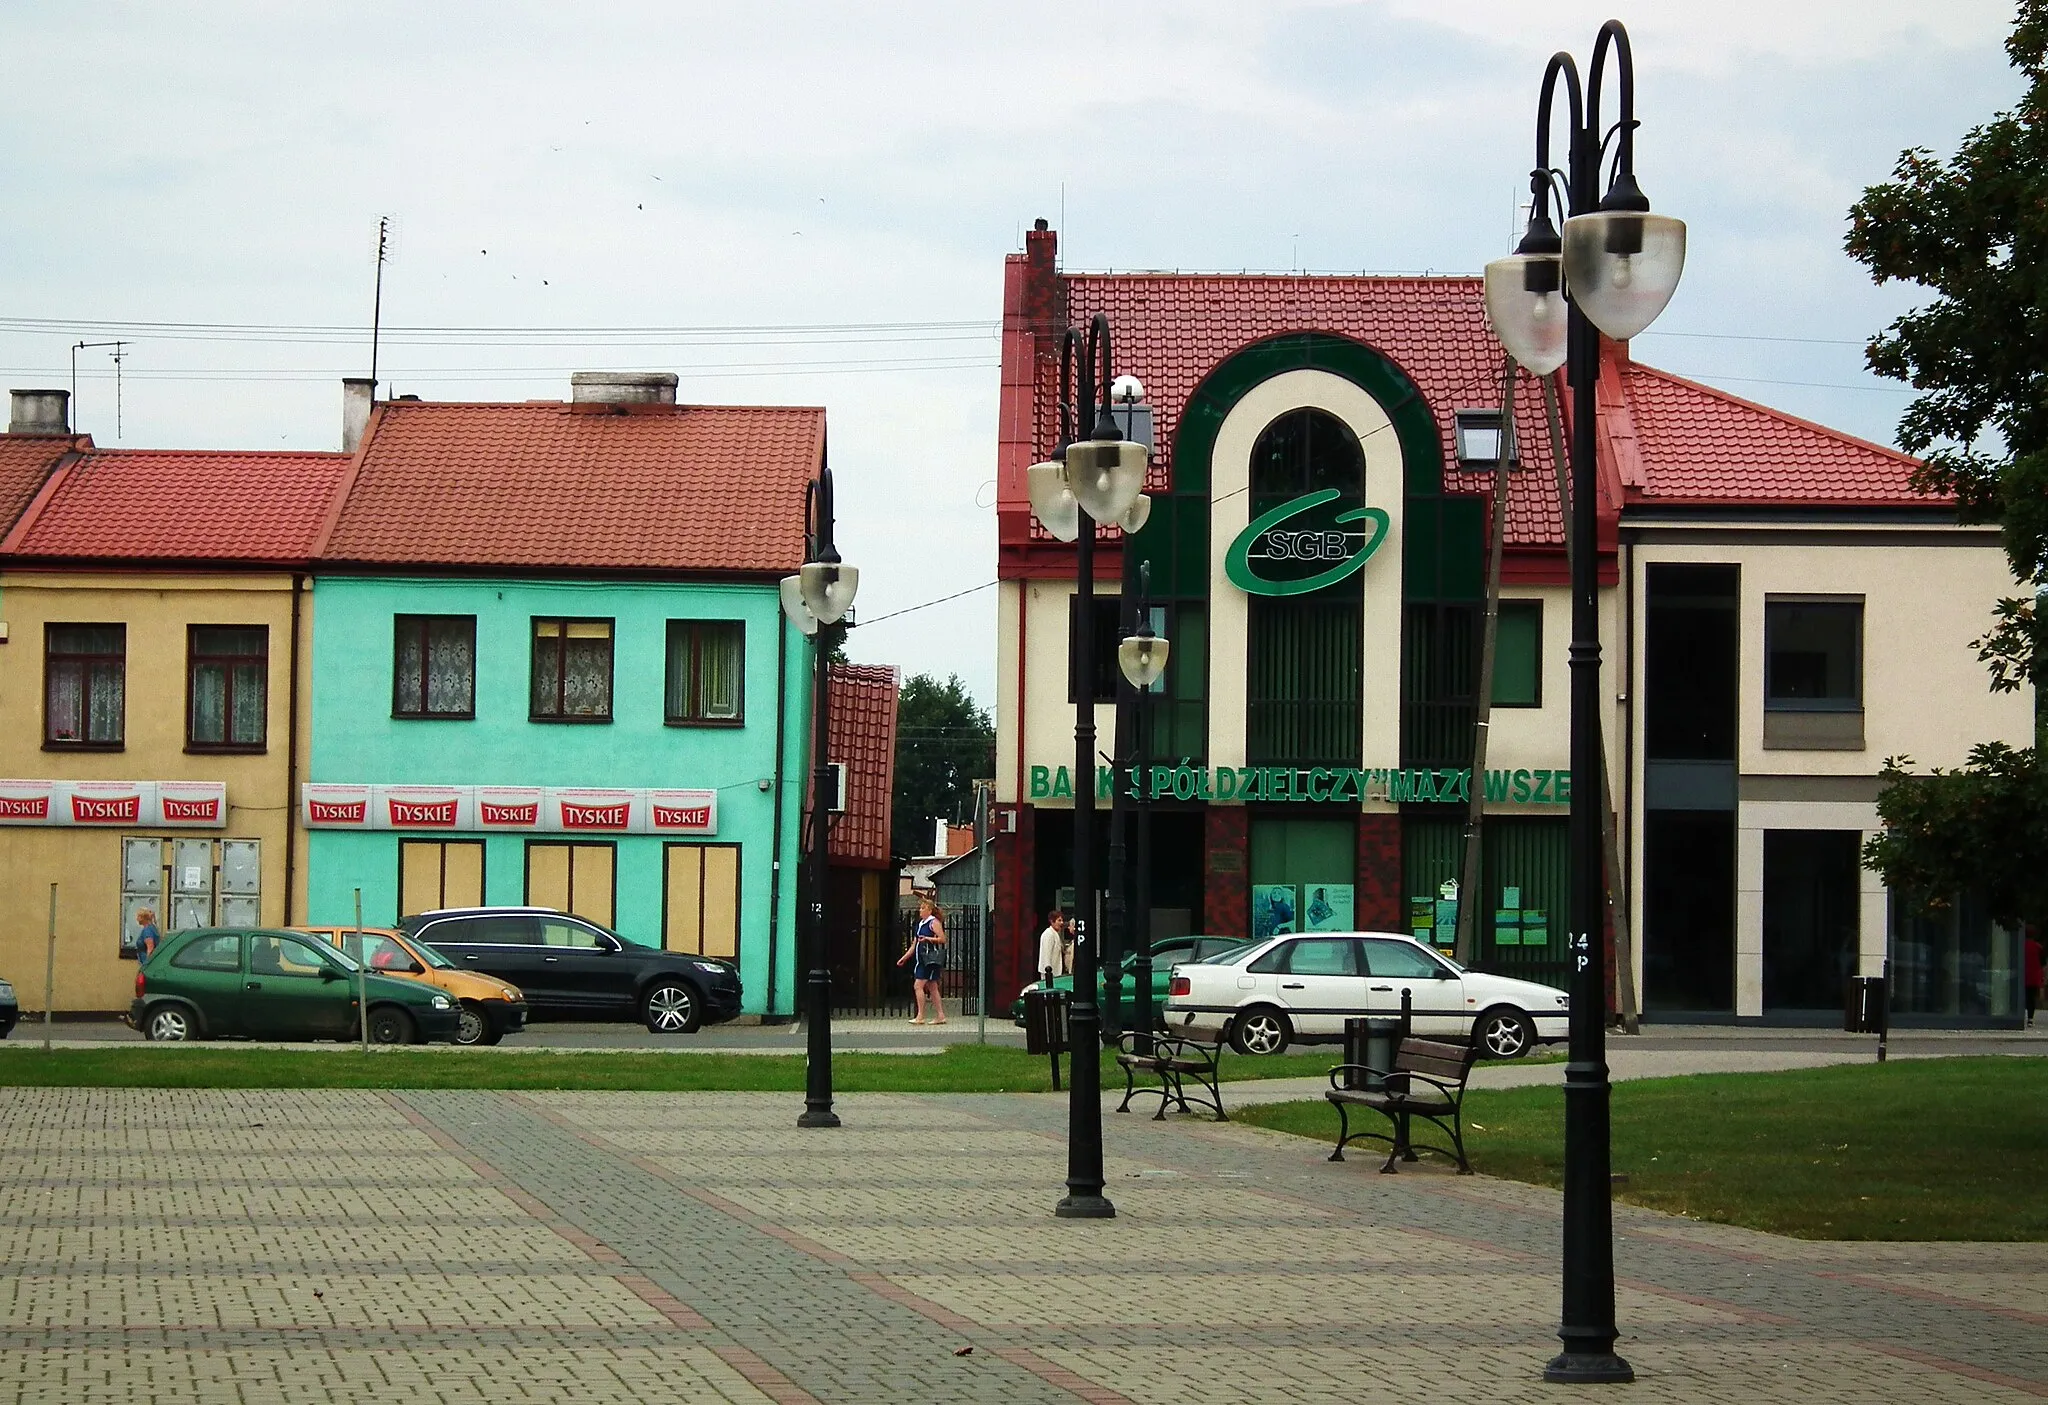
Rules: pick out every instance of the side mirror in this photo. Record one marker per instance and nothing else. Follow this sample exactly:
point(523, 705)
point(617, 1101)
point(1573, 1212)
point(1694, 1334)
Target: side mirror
point(1443, 975)
point(328, 973)
point(413, 968)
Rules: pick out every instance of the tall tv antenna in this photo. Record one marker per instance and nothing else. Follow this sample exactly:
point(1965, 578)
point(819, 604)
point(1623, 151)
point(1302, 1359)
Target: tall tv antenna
point(377, 302)
point(120, 353)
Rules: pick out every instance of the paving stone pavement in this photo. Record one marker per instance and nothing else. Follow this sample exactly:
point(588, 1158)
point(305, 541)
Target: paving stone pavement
point(228, 1246)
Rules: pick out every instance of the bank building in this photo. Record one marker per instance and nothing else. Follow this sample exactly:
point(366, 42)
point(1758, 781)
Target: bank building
point(1779, 610)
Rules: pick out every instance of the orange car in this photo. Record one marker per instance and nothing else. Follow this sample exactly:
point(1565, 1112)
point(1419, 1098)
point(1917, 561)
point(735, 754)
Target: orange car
point(490, 1008)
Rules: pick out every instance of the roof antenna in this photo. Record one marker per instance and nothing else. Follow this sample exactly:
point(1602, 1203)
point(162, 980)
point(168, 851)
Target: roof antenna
point(120, 351)
point(377, 302)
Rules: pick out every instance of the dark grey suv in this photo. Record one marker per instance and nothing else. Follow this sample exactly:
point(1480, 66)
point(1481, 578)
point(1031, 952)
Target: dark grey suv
point(572, 968)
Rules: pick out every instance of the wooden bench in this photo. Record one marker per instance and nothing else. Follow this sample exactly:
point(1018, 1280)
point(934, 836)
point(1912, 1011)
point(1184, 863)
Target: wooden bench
point(1174, 1060)
point(1427, 1081)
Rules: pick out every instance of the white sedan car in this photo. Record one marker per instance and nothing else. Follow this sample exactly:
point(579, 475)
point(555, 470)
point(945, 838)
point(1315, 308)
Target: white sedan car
point(1304, 987)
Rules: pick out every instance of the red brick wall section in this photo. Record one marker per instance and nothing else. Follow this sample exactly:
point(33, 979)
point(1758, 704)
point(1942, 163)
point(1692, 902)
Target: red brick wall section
point(1226, 867)
point(1012, 945)
point(1377, 902)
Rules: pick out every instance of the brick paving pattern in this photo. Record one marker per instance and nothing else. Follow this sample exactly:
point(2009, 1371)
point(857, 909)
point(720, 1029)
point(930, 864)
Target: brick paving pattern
point(461, 1246)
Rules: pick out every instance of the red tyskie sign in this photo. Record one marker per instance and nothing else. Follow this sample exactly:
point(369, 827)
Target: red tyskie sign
point(576, 816)
point(194, 811)
point(527, 814)
point(24, 807)
point(90, 809)
point(423, 814)
point(337, 811)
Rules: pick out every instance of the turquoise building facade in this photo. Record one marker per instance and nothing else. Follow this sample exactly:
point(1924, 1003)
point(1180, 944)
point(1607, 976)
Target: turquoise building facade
point(734, 886)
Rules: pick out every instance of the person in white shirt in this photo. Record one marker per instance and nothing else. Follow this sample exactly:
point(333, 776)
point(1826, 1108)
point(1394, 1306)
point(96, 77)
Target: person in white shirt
point(1055, 948)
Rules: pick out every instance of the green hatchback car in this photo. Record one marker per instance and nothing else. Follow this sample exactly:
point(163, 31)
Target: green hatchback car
point(1165, 952)
point(255, 983)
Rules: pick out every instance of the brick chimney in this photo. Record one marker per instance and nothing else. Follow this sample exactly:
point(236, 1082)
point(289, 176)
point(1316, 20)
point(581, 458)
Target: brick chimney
point(40, 412)
point(358, 393)
point(622, 388)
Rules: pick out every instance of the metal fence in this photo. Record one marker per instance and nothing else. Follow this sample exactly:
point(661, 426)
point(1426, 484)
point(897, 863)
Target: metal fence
point(882, 988)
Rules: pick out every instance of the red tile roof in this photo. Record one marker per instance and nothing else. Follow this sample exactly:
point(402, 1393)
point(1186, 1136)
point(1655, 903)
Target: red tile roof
point(150, 506)
point(25, 461)
point(861, 723)
point(682, 488)
point(1701, 445)
point(1664, 439)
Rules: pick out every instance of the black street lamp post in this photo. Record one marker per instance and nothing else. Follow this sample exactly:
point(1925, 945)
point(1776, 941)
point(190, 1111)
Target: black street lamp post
point(1141, 659)
point(1613, 271)
point(1098, 479)
point(815, 600)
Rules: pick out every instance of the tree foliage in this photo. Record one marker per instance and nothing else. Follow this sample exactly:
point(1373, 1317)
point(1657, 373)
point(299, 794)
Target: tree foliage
point(944, 743)
point(1974, 231)
point(1982, 829)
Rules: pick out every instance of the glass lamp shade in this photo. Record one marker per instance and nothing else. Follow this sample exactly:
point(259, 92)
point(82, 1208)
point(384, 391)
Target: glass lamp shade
point(1142, 657)
point(1525, 305)
point(1137, 515)
point(1052, 501)
point(1623, 266)
point(828, 589)
point(1106, 475)
point(793, 605)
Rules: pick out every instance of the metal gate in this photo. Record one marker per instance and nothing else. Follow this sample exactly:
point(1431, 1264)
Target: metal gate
point(886, 989)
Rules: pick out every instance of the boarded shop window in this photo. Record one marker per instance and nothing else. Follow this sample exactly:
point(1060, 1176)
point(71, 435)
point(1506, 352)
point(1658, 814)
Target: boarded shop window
point(701, 899)
point(706, 672)
point(437, 873)
point(1518, 654)
point(572, 878)
point(433, 666)
point(85, 668)
point(572, 670)
point(228, 692)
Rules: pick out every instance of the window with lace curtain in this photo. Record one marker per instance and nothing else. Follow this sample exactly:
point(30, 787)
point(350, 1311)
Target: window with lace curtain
point(85, 680)
point(572, 670)
point(706, 672)
point(433, 666)
point(227, 670)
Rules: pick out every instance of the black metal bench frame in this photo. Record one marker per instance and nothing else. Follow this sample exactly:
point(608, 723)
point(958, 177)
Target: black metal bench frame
point(1175, 1060)
point(1427, 1080)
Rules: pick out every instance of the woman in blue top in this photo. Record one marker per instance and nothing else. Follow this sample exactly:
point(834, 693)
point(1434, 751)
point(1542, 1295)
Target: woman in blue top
point(927, 958)
point(148, 938)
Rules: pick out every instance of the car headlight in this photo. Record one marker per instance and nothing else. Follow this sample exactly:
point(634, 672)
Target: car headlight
point(441, 1002)
point(710, 966)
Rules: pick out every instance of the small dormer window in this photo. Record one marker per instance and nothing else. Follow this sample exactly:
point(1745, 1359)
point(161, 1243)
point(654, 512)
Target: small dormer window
point(1481, 439)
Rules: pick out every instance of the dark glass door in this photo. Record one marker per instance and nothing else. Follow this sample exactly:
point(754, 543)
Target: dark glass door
point(1812, 897)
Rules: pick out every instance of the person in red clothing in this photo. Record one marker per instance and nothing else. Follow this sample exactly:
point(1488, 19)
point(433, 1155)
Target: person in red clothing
point(2033, 973)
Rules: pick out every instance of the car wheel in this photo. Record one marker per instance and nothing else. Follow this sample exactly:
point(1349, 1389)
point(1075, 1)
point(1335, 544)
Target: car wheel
point(670, 1008)
point(391, 1025)
point(1504, 1034)
point(170, 1024)
point(472, 1026)
point(1260, 1030)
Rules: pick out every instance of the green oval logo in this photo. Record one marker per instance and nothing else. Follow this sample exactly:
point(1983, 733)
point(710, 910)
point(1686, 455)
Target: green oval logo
point(1268, 555)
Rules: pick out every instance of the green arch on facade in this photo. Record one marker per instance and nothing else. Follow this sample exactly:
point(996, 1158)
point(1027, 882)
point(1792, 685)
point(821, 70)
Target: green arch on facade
point(1442, 544)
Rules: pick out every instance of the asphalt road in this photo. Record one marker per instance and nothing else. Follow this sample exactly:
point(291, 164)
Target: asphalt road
point(897, 1036)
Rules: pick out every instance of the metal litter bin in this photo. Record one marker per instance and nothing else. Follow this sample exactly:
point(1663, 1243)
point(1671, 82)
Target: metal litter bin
point(1045, 1026)
point(1864, 1006)
point(1371, 1042)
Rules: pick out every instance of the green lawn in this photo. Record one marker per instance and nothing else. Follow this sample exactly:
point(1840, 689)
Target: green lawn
point(1913, 1150)
point(960, 1068)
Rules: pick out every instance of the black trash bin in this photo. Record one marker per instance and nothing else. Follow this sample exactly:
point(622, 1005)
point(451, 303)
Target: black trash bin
point(1371, 1042)
point(1863, 1005)
point(1045, 1026)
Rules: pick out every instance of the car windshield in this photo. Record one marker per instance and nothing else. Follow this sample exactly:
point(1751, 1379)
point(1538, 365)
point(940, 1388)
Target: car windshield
point(432, 957)
point(1225, 955)
point(625, 941)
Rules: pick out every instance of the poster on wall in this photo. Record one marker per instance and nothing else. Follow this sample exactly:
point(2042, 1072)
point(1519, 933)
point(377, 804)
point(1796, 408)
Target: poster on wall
point(1274, 909)
point(1327, 907)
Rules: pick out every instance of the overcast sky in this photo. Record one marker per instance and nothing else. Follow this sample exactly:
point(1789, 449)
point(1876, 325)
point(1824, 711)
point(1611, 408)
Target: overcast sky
point(729, 173)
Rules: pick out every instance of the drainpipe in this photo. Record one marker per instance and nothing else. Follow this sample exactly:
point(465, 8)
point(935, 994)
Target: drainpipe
point(291, 758)
point(775, 844)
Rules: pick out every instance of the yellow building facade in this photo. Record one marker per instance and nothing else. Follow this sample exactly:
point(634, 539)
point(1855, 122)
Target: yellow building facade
point(183, 802)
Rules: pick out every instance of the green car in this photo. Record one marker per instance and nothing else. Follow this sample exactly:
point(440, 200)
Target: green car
point(1164, 953)
point(255, 983)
